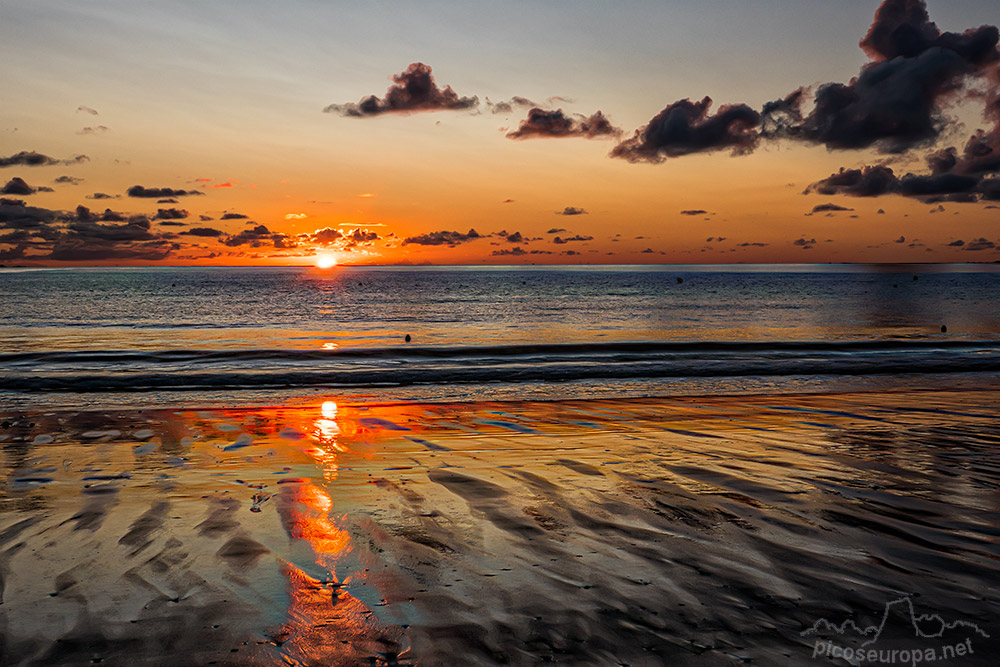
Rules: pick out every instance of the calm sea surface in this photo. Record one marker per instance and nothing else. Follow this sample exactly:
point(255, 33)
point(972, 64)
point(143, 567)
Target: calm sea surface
point(70, 336)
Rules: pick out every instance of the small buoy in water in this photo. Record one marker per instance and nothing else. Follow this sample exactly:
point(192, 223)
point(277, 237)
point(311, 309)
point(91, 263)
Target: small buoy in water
point(680, 280)
point(407, 339)
point(944, 329)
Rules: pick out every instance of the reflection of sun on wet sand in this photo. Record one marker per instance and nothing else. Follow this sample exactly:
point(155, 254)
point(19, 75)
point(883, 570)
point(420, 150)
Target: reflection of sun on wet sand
point(666, 531)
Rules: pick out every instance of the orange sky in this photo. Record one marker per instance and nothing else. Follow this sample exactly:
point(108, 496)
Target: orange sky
point(246, 127)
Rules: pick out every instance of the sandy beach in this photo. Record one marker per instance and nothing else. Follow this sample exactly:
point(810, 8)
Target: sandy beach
point(707, 531)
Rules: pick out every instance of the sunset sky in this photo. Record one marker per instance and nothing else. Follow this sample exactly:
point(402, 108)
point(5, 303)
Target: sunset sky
point(246, 133)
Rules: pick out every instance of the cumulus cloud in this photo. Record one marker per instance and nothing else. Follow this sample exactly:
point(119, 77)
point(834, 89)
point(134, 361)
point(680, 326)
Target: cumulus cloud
point(33, 159)
point(413, 90)
point(569, 239)
point(687, 127)
point(17, 186)
point(233, 216)
point(555, 230)
point(516, 251)
point(257, 237)
point(571, 210)
point(68, 180)
point(157, 193)
point(896, 102)
point(980, 244)
point(102, 195)
point(325, 236)
point(804, 243)
point(542, 123)
point(443, 238)
point(940, 186)
point(170, 214)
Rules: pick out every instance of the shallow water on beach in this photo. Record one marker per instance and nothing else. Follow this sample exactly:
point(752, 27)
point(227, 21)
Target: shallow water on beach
point(706, 531)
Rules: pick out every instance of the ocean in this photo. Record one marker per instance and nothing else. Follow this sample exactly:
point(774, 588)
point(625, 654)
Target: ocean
point(139, 337)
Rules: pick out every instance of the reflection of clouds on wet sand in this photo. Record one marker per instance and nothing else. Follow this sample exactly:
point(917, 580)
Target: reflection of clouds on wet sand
point(643, 531)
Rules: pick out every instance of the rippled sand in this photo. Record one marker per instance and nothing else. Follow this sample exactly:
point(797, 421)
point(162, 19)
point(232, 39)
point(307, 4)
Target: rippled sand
point(708, 531)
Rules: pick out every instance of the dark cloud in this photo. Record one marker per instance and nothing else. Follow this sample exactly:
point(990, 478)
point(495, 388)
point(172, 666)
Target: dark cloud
point(571, 210)
point(516, 251)
point(895, 103)
point(804, 243)
point(865, 182)
point(102, 195)
point(205, 218)
point(555, 230)
point(324, 236)
point(157, 193)
point(542, 123)
point(753, 245)
point(233, 216)
point(829, 207)
point(413, 90)
point(901, 239)
point(17, 186)
point(168, 200)
point(360, 235)
point(980, 244)
point(172, 223)
point(33, 159)
point(956, 244)
point(562, 241)
point(648, 251)
point(92, 112)
point(507, 107)
point(694, 211)
point(686, 127)
point(206, 232)
point(15, 214)
point(442, 238)
point(68, 180)
point(98, 129)
point(170, 214)
point(514, 237)
point(940, 186)
point(257, 237)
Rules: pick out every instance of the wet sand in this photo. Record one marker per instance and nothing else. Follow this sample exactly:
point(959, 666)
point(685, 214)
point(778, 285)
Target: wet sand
point(702, 531)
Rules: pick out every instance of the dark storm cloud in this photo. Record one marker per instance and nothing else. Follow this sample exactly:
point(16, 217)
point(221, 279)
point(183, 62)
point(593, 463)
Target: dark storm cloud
point(170, 214)
point(694, 211)
point(686, 127)
point(157, 193)
point(69, 252)
point(443, 238)
point(33, 159)
point(571, 210)
point(15, 214)
point(542, 123)
point(206, 232)
point(412, 90)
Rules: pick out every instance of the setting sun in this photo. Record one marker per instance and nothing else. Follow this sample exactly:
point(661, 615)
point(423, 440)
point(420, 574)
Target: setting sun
point(326, 261)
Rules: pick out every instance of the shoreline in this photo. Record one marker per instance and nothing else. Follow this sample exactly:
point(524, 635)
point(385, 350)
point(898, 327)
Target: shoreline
point(691, 530)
